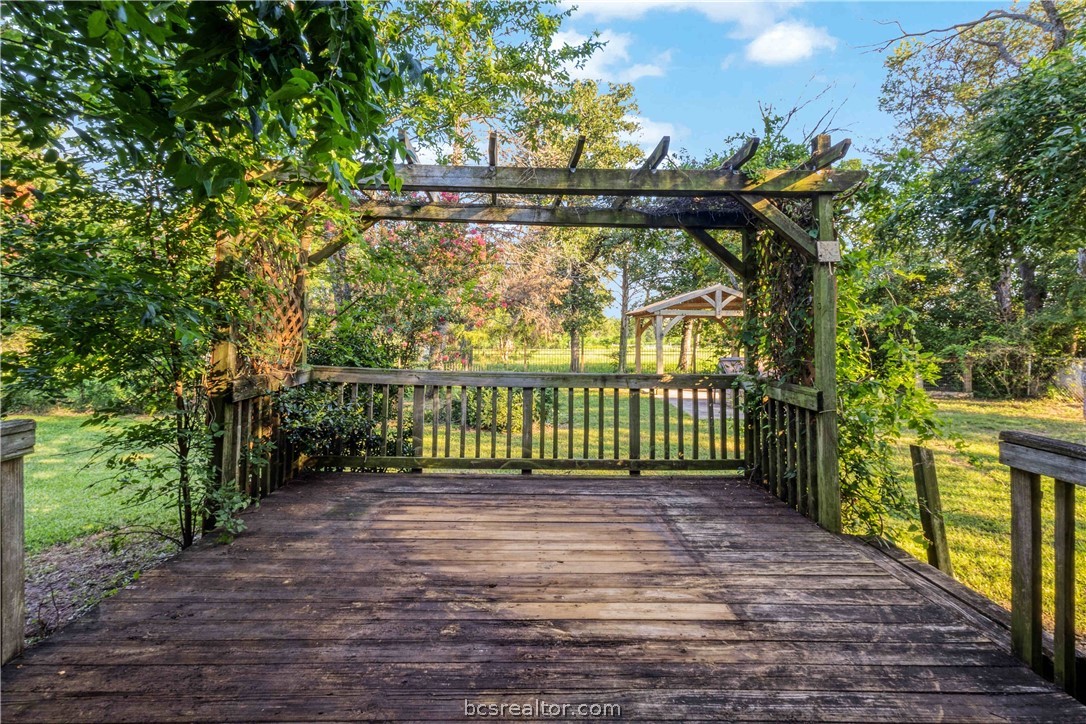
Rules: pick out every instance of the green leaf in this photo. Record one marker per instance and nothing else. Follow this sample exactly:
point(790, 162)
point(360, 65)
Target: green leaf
point(97, 24)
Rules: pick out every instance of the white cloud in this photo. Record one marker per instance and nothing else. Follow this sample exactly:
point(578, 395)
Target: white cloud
point(650, 132)
point(749, 16)
point(788, 42)
point(612, 61)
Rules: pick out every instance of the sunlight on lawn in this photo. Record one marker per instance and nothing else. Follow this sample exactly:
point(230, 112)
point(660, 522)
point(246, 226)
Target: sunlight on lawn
point(976, 499)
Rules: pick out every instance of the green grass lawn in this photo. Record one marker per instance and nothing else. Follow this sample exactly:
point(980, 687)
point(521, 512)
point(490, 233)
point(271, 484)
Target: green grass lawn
point(595, 359)
point(64, 499)
point(976, 500)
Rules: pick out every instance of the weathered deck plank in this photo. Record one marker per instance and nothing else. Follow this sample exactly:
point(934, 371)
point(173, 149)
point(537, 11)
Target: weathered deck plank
point(400, 597)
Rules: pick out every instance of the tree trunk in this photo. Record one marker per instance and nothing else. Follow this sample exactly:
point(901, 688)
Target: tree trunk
point(1032, 293)
point(574, 350)
point(685, 351)
point(1003, 295)
point(624, 322)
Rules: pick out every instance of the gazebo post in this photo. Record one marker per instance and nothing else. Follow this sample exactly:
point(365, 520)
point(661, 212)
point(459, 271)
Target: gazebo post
point(637, 343)
point(659, 321)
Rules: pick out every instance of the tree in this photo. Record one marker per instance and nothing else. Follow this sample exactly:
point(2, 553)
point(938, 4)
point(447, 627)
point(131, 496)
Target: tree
point(937, 77)
point(998, 198)
point(486, 63)
point(606, 119)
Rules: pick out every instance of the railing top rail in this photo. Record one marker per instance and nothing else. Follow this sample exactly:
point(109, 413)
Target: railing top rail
point(1066, 448)
point(16, 438)
point(522, 379)
point(1060, 459)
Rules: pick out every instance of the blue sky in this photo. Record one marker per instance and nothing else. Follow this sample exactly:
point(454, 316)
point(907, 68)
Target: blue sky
point(700, 68)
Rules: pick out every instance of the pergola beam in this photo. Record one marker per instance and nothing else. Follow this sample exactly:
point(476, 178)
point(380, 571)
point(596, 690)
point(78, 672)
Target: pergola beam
point(744, 154)
point(780, 222)
point(618, 182)
point(718, 250)
point(825, 157)
point(574, 159)
point(546, 216)
point(492, 155)
point(655, 159)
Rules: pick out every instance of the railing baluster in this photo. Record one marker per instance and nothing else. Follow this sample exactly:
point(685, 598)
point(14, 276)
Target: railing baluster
point(1064, 652)
point(354, 392)
point(493, 428)
point(542, 422)
point(635, 430)
point(245, 426)
point(790, 455)
point(509, 421)
point(418, 420)
point(600, 424)
point(384, 422)
point(710, 395)
point(526, 426)
point(557, 405)
point(435, 411)
point(812, 464)
point(478, 421)
point(569, 432)
point(801, 462)
point(463, 421)
point(447, 412)
point(771, 424)
point(587, 405)
point(667, 424)
point(680, 413)
point(735, 422)
point(399, 419)
point(369, 402)
point(652, 424)
point(494, 423)
point(617, 453)
point(695, 427)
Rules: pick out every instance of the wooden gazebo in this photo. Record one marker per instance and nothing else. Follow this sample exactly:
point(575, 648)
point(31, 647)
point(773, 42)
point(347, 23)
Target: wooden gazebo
point(716, 302)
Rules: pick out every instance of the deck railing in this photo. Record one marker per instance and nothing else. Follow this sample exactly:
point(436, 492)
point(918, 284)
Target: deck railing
point(421, 419)
point(543, 421)
point(256, 456)
point(1029, 457)
point(784, 444)
point(16, 442)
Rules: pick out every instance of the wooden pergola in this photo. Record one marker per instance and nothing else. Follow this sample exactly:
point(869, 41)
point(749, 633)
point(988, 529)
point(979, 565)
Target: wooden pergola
point(716, 302)
point(696, 201)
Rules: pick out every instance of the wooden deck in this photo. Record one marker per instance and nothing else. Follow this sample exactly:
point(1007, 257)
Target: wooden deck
point(402, 597)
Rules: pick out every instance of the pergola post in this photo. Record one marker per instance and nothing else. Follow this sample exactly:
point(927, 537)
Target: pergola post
point(659, 328)
point(825, 364)
point(223, 369)
point(749, 420)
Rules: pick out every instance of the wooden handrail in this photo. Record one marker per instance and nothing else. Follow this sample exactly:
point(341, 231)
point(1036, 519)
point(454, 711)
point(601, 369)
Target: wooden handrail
point(1030, 456)
point(16, 442)
point(581, 380)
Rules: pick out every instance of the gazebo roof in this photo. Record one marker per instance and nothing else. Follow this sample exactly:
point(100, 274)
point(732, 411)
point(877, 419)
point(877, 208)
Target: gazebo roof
point(712, 301)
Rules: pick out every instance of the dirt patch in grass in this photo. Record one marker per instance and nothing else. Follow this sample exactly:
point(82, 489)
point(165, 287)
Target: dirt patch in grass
point(65, 581)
